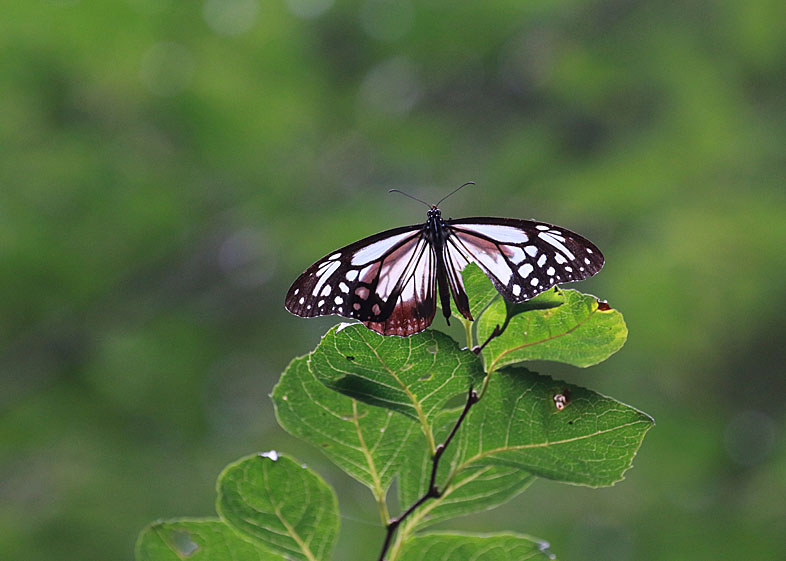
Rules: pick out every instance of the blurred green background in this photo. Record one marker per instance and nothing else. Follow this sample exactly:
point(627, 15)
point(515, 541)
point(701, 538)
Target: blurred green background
point(168, 168)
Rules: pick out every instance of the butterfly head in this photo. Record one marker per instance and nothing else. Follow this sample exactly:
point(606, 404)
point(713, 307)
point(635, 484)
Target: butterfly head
point(434, 212)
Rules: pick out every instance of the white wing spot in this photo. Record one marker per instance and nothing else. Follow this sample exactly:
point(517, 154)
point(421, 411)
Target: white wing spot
point(550, 271)
point(516, 254)
point(589, 251)
point(351, 275)
point(581, 268)
point(500, 233)
point(302, 300)
point(542, 227)
point(366, 270)
point(550, 239)
point(356, 305)
point(542, 260)
point(308, 307)
point(569, 269)
point(334, 256)
point(531, 250)
point(586, 260)
point(339, 300)
point(534, 282)
point(344, 287)
point(326, 290)
point(516, 290)
point(559, 258)
point(525, 270)
point(378, 249)
point(320, 303)
point(297, 291)
point(324, 274)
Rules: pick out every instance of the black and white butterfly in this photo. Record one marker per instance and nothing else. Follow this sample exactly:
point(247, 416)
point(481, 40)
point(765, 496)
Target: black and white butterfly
point(390, 280)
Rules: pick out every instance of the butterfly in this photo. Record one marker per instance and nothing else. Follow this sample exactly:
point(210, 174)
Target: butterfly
point(390, 281)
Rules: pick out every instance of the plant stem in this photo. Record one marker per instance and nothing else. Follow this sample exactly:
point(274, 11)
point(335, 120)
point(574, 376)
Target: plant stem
point(468, 334)
point(433, 491)
point(382, 505)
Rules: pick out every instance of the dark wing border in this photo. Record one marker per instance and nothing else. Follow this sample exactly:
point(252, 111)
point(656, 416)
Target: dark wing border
point(548, 248)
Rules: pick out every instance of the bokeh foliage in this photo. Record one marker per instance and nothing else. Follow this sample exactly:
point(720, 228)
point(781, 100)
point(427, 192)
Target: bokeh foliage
point(166, 169)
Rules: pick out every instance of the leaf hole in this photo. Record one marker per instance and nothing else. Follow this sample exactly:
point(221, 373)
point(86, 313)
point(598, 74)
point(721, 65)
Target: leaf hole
point(182, 543)
point(350, 358)
point(426, 376)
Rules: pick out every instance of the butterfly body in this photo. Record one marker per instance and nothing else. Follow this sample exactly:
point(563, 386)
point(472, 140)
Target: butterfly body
point(437, 233)
point(390, 280)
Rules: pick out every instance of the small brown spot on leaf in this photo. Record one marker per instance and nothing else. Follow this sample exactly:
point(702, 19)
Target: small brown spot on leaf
point(603, 306)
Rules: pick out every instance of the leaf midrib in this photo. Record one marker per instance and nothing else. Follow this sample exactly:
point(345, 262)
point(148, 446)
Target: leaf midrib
point(413, 399)
point(290, 529)
point(533, 445)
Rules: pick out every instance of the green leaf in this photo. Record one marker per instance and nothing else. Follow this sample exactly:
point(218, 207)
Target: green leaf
point(592, 441)
point(197, 540)
point(472, 489)
point(284, 505)
point(481, 293)
point(414, 375)
point(479, 289)
point(552, 298)
point(367, 442)
point(581, 332)
point(467, 547)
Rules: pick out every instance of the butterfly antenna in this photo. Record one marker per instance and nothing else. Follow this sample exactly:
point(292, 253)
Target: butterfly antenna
point(456, 190)
point(410, 196)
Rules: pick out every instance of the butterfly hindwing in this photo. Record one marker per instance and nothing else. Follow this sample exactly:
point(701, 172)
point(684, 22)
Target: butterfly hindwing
point(412, 302)
point(522, 257)
point(454, 264)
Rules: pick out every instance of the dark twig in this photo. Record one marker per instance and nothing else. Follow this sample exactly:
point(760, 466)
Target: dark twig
point(496, 333)
point(433, 491)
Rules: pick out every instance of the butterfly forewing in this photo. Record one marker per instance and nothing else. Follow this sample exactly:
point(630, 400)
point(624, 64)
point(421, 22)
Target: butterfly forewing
point(386, 281)
point(522, 257)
